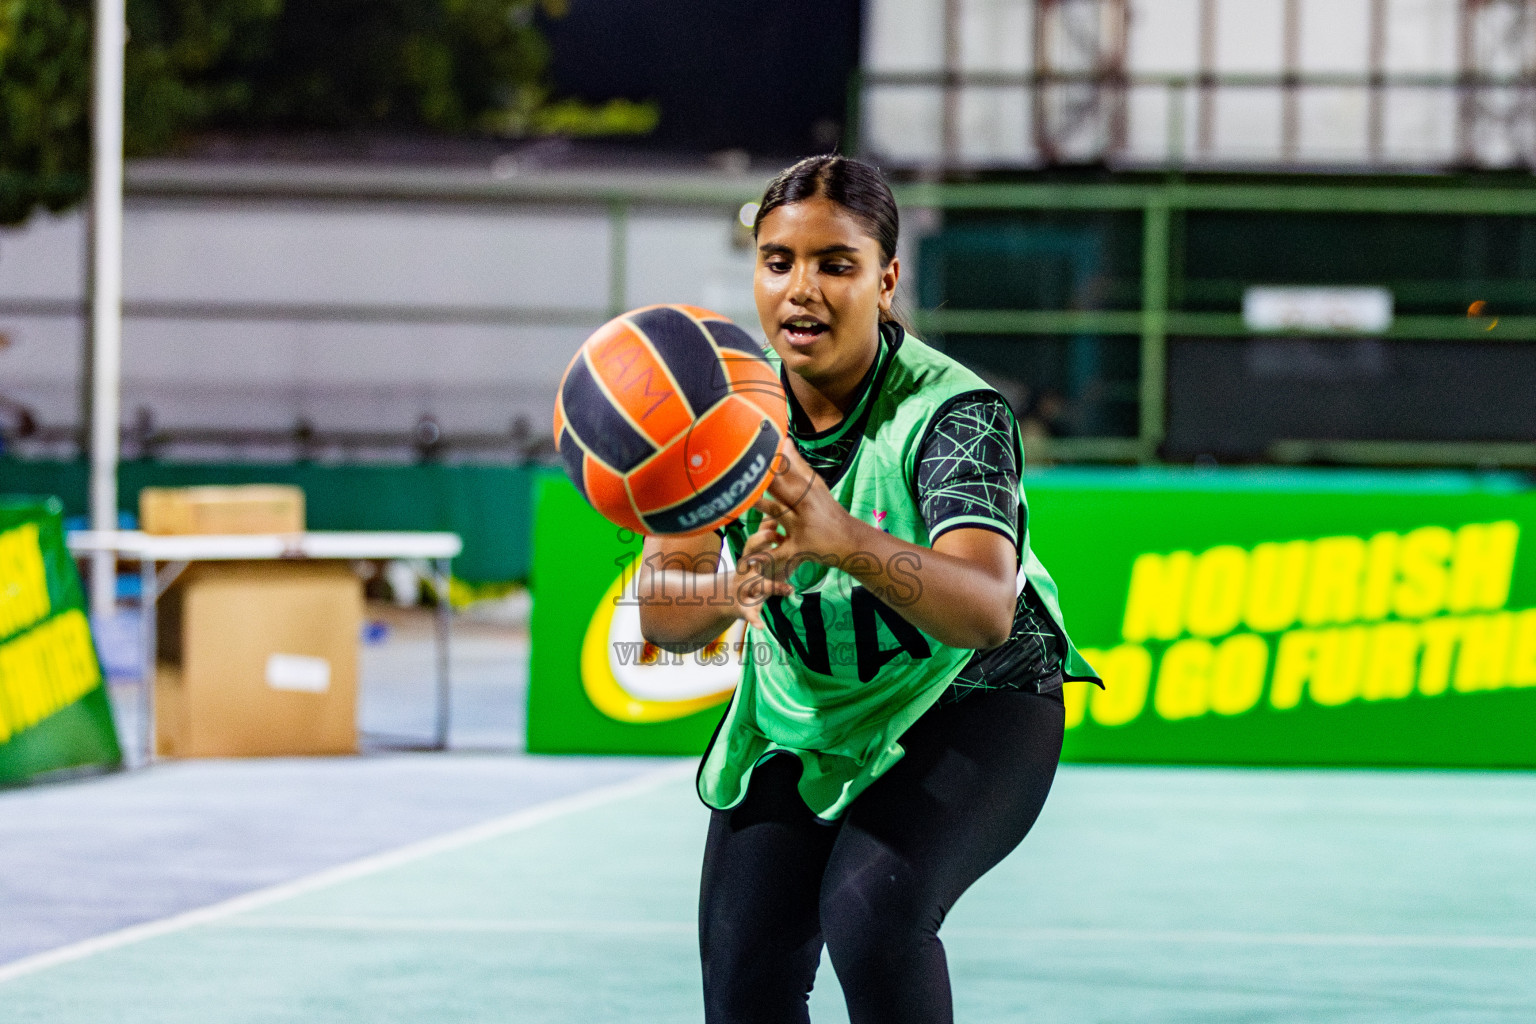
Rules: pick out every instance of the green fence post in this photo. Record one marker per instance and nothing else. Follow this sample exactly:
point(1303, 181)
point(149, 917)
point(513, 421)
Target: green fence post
point(1154, 325)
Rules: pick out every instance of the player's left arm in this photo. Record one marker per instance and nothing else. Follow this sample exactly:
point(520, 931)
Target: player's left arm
point(961, 591)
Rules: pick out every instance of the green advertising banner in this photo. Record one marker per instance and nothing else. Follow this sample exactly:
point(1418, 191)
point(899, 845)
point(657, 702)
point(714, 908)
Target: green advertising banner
point(1298, 618)
point(54, 711)
point(595, 686)
point(1238, 617)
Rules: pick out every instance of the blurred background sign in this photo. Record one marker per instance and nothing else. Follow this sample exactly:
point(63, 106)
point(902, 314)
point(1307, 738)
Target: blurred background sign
point(1353, 310)
point(54, 712)
point(1297, 617)
point(593, 680)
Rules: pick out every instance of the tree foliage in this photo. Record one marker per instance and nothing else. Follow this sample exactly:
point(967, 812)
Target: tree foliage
point(443, 65)
point(45, 48)
point(451, 66)
point(187, 64)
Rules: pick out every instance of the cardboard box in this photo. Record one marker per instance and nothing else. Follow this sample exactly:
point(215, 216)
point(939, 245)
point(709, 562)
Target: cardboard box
point(259, 658)
point(250, 508)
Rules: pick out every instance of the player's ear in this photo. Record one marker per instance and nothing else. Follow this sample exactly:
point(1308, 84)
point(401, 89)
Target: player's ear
point(889, 275)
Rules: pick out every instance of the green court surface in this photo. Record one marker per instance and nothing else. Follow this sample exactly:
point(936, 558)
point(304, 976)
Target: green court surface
point(1143, 895)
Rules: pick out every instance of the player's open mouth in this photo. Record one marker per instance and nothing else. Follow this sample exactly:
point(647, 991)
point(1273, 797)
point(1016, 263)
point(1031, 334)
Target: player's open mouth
point(803, 330)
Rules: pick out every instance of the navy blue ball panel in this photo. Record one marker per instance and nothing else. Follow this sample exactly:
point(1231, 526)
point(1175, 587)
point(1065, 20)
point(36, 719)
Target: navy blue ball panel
point(602, 428)
point(572, 455)
point(689, 356)
point(727, 335)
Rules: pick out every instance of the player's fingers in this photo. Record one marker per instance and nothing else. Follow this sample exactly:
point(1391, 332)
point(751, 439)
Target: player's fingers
point(771, 509)
point(788, 460)
point(758, 545)
point(788, 489)
point(777, 588)
point(787, 557)
point(758, 572)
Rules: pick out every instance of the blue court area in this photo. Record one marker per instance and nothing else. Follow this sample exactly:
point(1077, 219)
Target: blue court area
point(1144, 895)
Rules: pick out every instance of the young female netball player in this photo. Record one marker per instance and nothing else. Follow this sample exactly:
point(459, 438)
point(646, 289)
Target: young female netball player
point(899, 718)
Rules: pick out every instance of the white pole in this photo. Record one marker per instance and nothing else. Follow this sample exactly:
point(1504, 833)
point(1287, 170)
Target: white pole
point(106, 288)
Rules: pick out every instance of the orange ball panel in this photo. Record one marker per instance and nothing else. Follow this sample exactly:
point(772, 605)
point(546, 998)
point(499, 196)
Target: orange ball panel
point(740, 509)
point(607, 493)
point(755, 381)
point(638, 381)
point(700, 312)
point(693, 463)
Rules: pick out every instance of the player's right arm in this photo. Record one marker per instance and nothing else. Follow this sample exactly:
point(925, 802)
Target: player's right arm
point(686, 602)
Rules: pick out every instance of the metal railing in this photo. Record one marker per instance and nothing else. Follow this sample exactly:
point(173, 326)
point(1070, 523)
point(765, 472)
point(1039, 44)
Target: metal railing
point(1153, 320)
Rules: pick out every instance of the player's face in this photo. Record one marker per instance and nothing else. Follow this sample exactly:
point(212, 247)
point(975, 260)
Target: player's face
point(820, 290)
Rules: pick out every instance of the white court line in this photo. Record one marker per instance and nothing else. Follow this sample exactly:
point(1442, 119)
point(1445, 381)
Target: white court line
point(369, 865)
point(546, 926)
point(1223, 938)
point(540, 926)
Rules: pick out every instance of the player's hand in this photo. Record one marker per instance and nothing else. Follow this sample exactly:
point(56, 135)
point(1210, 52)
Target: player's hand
point(801, 520)
point(752, 587)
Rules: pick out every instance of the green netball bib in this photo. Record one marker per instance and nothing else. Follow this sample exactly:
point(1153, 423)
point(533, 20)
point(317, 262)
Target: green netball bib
point(839, 674)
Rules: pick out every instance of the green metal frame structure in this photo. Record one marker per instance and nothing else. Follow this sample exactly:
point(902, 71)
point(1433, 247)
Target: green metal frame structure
point(1157, 200)
point(1155, 321)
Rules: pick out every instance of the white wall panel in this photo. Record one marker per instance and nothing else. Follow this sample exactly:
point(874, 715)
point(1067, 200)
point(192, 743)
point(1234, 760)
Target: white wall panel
point(904, 35)
point(1419, 126)
point(44, 259)
point(1147, 124)
point(215, 370)
point(41, 366)
point(903, 124)
point(1165, 37)
point(995, 126)
point(366, 252)
point(344, 376)
point(1332, 125)
point(1335, 36)
point(1421, 36)
point(1247, 124)
point(1249, 35)
point(689, 257)
point(996, 35)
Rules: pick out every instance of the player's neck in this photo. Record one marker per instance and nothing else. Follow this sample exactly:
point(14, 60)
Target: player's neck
point(826, 402)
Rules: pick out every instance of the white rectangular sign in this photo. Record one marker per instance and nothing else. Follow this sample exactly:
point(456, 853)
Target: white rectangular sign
point(1355, 310)
point(302, 673)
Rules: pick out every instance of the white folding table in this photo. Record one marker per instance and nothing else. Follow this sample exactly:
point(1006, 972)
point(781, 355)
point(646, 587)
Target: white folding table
point(164, 558)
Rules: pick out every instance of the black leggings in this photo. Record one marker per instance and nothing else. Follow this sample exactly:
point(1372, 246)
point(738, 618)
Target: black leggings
point(875, 885)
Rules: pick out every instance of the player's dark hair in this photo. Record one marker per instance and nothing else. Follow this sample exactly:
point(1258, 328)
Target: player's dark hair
point(852, 184)
point(857, 187)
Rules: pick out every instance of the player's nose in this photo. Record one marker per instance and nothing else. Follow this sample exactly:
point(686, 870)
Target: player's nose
point(802, 286)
